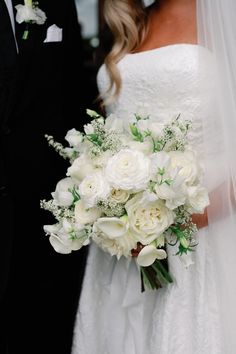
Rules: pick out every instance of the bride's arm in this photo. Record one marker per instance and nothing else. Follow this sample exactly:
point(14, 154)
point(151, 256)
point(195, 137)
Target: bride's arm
point(201, 220)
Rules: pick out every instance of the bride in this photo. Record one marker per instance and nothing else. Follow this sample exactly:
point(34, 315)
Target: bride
point(171, 57)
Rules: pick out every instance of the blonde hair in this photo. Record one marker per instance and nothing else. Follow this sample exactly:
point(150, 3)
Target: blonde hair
point(127, 22)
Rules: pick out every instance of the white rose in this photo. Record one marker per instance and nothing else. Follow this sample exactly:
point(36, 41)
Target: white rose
point(119, 195)
point(148, 219)
point(93, 188)
point(149, 254)
point(84, 215)
point(113, 123)
point(188, 164)
point(113, 236)
point(62, 194)
point(74, 138)
point(128, 170)
point(81, 167)
point(198, 199)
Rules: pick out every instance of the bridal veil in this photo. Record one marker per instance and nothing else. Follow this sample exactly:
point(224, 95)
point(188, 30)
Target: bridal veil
point(217, 32)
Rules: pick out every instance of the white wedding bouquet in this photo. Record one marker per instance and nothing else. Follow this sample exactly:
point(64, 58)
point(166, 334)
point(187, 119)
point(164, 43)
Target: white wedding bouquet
point(131, 190)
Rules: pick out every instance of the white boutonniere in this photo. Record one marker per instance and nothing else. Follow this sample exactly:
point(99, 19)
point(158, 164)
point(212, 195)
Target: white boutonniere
point(29, 13)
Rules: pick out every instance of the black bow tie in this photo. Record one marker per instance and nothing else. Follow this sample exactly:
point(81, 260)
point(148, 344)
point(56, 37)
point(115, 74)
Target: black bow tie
point(7, 39)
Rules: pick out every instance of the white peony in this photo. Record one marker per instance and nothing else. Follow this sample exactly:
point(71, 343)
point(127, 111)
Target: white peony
point(62, 195)
point(128, 170)
point(84, 215)
point(93, 188)
point(147, 219)
point(198, 199)
point(74, 138)
point(80, 168)
point(149, 254)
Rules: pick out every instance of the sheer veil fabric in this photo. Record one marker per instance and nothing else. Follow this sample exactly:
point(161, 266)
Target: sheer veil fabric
point(217, 32)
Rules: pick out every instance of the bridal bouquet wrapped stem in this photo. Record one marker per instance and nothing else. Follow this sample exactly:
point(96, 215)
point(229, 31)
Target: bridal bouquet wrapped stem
point(131, 190)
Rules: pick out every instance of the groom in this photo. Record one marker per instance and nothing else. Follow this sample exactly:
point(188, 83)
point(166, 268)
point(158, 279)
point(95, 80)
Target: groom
point(43, 287)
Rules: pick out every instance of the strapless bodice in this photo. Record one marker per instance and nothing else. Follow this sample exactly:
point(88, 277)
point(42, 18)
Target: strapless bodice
point(163, 83)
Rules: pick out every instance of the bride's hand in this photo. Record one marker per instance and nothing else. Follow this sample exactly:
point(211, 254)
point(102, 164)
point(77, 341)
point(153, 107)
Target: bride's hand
point(201, 220)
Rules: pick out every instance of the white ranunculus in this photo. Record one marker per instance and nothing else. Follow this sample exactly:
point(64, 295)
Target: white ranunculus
point(112, 227)
point(128, 170)
point(62, 195)
point(198, 199)
point(148, 219)
point(84, 215)
point(113, 123)
point(188, 164)
point(93, 188)
point(80, 168)
point(74, 138)
point(26, 13)
point(149, 254)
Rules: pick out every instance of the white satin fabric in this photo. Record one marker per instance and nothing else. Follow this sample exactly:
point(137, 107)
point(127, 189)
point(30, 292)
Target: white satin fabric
point(114, 317)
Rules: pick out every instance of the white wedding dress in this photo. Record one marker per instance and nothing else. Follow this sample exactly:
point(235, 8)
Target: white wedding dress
point(114, 316)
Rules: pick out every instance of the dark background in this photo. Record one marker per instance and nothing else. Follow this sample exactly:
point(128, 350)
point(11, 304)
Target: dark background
point(55, 83)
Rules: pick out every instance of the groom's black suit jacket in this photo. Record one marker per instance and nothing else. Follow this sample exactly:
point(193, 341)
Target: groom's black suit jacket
point(43, 287)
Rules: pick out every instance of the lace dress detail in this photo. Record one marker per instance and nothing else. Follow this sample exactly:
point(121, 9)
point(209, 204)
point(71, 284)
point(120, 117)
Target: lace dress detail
point(114, 317)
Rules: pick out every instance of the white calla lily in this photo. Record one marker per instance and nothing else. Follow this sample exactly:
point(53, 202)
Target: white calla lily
point(149, 254)
point(112, 227)
point(58, 245)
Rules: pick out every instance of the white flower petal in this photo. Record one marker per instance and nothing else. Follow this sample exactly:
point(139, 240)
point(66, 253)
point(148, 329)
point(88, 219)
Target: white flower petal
point(58, 245)
point(149, 254)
